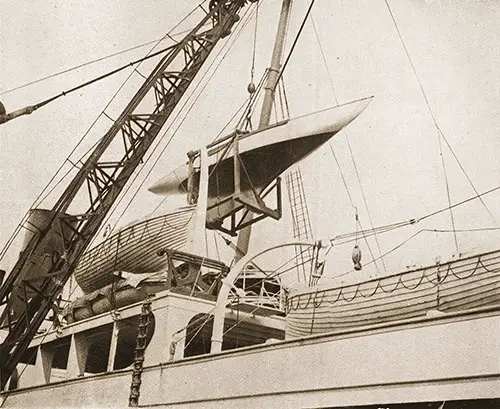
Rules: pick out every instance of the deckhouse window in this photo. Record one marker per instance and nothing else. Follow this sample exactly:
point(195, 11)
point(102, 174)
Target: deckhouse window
point(99, 344)
point(55, 359)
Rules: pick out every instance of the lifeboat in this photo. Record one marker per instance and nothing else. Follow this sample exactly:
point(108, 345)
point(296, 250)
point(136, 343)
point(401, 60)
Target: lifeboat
point(134, 249)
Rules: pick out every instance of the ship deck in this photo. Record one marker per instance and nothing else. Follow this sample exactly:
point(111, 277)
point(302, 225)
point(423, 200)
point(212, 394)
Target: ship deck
point(434, 358)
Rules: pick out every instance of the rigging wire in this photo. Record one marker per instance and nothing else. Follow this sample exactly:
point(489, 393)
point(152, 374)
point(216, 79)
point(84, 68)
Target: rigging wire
point(99, 78)
point(295, 41)
point(349, 237)
point(323, 56)
point(448, 195)
point(251, 106)
point(365, 201)
point(245, 121)
point(431, 113)
point(38, 199)
point(287, 27)
point(216, 246)
point(76, 67)
point(330, 77)
point(106, 57)
point(246, 18)
point(254, 42)
point(342, 176)
point(477, 196)
point(468, 178)
point(285, 98)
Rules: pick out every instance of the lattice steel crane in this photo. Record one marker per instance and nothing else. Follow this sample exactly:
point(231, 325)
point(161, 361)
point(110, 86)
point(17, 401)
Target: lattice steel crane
point(48, 260)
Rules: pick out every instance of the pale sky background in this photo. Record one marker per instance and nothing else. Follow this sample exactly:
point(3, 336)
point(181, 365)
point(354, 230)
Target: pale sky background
point(453, 44)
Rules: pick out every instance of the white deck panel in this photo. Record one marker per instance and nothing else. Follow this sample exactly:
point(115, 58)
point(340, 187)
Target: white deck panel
point(455, 357)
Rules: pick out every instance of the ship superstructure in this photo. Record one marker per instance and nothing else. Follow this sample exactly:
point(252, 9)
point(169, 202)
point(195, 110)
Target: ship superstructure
point(161, 323)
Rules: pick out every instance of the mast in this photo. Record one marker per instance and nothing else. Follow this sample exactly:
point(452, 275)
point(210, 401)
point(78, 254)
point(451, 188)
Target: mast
point(267, 106)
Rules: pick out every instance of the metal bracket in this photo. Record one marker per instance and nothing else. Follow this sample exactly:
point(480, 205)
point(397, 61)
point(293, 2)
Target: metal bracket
point(243, 204)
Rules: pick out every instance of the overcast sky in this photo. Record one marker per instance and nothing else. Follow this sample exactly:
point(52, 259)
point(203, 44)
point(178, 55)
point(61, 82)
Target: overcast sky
point(454, 47)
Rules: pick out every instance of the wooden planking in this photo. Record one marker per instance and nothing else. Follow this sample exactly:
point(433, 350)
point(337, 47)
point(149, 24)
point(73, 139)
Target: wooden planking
point(133, 249)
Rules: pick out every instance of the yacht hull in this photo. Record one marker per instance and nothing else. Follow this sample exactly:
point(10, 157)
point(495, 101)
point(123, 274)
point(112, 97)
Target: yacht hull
point(264, 155)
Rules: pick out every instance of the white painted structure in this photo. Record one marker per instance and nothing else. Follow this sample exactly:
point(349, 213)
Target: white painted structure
point(451, 356)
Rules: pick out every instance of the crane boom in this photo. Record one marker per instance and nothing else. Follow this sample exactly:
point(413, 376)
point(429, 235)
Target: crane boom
point(53, 252)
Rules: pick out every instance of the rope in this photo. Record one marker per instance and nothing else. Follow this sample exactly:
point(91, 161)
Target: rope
point(479, 195)
point(448, 196)
point(468, 178)
point(76, 67)
point(40, 198)
point(285, 97)
point(32, 108)
point(101, 77)
point(216, 246)
point(440, 132)
point(295, 41)
point(254, 42)
point(249, 110)
point(203, 317)
point(324, 60)
point(342, 175)
point(409, 239)
point(415, 286)
point(366, 206)
point(235, 37)
point(208, 317)
point(352, 157)
point(369, 232)
point(345, 238)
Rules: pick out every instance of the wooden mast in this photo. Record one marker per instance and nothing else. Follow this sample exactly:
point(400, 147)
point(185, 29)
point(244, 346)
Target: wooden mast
point(267, 106)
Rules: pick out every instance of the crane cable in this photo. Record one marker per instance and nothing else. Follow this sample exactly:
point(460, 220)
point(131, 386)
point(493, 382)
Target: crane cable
point(46, 191)
point(4, 117)
point(31, 108)
point(91, 62)
point(254, 48)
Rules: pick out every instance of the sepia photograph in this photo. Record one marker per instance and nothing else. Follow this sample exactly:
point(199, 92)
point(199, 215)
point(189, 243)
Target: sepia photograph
point(250, 204)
